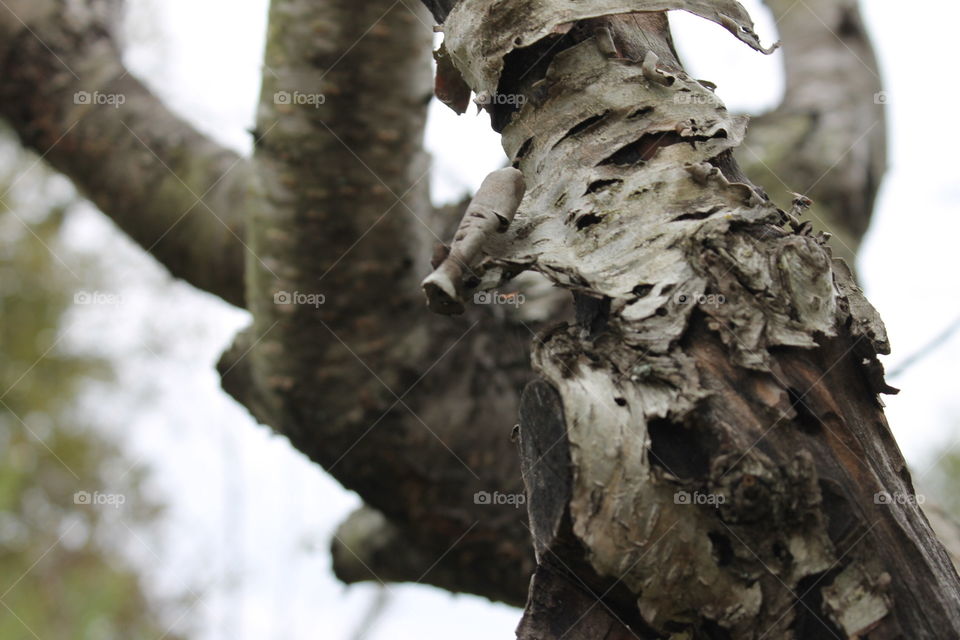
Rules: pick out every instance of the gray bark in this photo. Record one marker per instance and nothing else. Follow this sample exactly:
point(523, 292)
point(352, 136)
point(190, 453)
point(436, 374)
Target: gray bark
point(731, 358)
point(412, 412)
point(635, 204)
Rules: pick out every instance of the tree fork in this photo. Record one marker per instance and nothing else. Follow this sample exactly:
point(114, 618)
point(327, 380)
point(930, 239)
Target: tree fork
point(710, 458)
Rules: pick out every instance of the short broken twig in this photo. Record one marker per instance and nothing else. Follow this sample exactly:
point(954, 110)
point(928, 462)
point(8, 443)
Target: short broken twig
point(491, 211)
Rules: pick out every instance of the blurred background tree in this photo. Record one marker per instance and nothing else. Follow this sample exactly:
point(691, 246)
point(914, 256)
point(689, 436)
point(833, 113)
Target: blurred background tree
point(264, 560)
point(63, 573)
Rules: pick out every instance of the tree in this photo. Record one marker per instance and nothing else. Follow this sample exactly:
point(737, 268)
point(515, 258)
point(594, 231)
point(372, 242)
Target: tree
point(719, 354)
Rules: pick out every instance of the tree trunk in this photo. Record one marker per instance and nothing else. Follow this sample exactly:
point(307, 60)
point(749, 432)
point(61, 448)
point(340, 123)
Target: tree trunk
point(705, 453)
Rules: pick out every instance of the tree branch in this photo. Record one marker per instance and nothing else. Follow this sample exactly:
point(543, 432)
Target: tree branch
point(362, 208)
point(66, 93)
point(827, 139)
point(367, 547)
point(411, 411)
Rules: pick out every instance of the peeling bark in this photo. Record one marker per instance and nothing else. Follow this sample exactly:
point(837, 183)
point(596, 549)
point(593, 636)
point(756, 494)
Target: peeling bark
point(734, 361)
point(719, 348)
point(829, 141)
point(491, 211)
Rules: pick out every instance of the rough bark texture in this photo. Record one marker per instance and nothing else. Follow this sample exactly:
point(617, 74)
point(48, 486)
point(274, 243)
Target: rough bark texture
point(716, 352)
point(731, 360)
point(412, 412)
point(827, 138)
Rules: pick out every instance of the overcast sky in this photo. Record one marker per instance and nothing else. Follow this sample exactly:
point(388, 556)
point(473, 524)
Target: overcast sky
point(250, 519)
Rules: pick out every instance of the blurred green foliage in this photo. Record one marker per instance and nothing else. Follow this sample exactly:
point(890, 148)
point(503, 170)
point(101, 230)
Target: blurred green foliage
point(65, 571)
point(944, 482)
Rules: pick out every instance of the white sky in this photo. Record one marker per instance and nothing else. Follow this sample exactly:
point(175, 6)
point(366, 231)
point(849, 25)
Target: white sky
point(249, 518)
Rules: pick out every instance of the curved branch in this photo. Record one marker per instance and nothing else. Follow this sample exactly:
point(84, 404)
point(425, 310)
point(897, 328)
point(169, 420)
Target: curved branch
point(828, 137)
point(65, 91)
point(360, 219)
point(368, 547)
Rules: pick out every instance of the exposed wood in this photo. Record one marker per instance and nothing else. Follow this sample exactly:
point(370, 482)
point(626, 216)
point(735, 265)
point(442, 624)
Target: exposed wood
point(730, 471)
point(719, 351)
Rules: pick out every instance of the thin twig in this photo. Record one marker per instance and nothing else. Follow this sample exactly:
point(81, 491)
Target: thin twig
point(381, 599)
point(927, 349)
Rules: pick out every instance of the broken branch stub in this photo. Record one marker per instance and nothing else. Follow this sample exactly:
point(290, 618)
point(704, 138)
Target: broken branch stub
point(490, 212)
